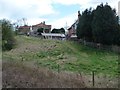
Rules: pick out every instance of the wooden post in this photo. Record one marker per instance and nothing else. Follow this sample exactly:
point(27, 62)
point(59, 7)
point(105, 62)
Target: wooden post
point(93, 78)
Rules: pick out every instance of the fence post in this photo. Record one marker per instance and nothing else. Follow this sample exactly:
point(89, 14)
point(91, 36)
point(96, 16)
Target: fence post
point(93, 79)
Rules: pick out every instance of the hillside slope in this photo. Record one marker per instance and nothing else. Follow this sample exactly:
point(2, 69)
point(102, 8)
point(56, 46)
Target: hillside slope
point(66, 57)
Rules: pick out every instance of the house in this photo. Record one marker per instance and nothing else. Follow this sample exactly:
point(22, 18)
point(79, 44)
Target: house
point(33, 30)
point(46, 28)
point(24, 29)
point(73, 28)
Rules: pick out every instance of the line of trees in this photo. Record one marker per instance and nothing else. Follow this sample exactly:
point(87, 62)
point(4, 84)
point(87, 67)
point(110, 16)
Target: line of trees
point(100, 25)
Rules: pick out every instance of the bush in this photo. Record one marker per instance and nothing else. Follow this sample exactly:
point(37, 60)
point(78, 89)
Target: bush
point(8, 40)
point(40, 30)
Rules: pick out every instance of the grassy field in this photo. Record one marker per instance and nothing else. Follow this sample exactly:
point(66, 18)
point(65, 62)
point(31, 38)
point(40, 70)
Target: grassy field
point(65, 55)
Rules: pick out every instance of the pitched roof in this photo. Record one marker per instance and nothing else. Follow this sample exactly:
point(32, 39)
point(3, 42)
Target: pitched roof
point(73, 24)
point(42, 25)
point(21, 27)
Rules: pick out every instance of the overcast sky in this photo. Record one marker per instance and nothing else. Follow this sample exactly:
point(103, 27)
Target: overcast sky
point(54, 12)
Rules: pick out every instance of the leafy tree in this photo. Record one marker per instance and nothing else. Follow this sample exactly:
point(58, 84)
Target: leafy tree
point(99, 25)
point(84, 29)
point(61, 30)
point(117, 36)
point(40, 30)
point(46, 30)
point(8, 40)
point(54, 30)
point(104, 24)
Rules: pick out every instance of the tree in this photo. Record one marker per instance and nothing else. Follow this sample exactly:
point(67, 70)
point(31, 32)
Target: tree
point(117, 36)
point(100, 25)
point(8, 40)
point(61, 30)
point(40, 30)
point(104, 24)
point(84, 30)
point(54, 31)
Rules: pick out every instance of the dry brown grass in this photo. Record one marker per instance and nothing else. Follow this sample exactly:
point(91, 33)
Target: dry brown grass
point(23, 76)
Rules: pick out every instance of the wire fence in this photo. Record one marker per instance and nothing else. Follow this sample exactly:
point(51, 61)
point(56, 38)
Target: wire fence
point(96, 80)
point(113, 48)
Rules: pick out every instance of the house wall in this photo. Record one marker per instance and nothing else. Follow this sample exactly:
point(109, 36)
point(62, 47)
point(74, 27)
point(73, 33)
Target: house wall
point(23, 30)
point(73, 28)
point(35, 28)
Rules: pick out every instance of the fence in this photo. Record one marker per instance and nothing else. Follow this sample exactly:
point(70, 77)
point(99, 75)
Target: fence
point(96, 80)
point(112, 48)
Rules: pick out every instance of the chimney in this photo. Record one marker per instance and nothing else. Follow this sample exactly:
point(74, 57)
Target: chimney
point(44, 22)
point(78, 14)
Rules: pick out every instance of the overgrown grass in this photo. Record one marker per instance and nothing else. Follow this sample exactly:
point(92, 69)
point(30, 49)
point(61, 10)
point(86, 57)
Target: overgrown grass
point(71, 56)
point(20, 75)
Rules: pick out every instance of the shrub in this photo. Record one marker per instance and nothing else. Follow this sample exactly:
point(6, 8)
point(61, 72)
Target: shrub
point(8, 40)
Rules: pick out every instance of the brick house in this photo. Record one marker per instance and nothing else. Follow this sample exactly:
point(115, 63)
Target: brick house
point(73, 28)
point(24, 29)
point(46, 28)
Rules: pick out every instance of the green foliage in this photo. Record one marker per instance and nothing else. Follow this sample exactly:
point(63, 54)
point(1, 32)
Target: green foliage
point(71, 56)
point(16, 32)
point(99, 25)
point(61, 30)
point(117, 36)
point(8, 40)
point(104, 24)
point(84, 29)
point(40, 30)
point(48, 53)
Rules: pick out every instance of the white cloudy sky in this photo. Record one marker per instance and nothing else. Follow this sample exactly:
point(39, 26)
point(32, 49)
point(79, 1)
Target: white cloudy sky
point(54, 12)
